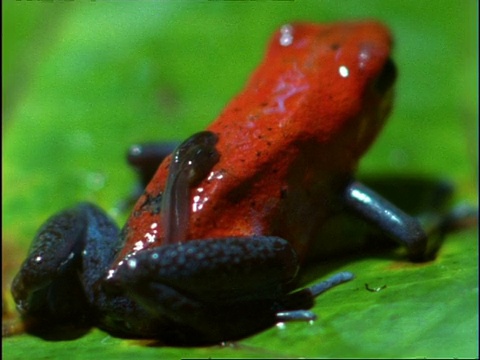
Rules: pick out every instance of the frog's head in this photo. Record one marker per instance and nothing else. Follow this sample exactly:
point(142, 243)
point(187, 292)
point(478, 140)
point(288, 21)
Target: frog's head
point(346, 75)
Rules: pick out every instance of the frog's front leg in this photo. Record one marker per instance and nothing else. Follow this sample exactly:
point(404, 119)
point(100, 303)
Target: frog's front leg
point(70, 253)
point(422, 240)
point(219, 289)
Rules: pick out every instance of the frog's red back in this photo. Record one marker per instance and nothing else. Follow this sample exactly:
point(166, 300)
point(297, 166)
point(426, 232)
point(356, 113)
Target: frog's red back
point(294, 135)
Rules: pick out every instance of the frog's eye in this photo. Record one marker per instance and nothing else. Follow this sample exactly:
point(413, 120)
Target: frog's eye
point(387, 77)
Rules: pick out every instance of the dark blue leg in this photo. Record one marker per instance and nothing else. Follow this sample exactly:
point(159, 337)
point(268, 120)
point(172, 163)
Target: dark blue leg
point(69, 254)
point(213, 289)
point(219, 289)
point(421, 235)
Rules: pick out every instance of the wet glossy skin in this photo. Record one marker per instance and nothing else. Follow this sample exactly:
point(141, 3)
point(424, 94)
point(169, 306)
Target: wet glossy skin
point(212, 248)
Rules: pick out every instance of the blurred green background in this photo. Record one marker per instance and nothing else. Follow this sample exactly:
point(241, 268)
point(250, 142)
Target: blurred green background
point(82, 80)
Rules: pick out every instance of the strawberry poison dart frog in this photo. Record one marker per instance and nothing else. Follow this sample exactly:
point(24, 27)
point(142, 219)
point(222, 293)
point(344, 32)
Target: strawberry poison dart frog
point(212, 248)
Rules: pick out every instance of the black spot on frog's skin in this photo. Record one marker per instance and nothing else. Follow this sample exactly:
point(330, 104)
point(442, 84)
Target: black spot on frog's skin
point(334, 46)
point(152, 204)
point(284, 192)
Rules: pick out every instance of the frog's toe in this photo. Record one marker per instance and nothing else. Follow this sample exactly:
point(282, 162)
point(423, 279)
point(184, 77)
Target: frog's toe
point(331, 282)
point(295, 315)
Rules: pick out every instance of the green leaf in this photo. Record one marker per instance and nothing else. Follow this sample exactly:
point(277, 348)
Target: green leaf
point(82, 80)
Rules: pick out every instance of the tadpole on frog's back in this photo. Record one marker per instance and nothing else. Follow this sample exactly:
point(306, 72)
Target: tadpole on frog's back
point(190, 163)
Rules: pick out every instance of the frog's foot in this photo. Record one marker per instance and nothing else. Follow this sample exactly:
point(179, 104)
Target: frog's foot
point(208, 291)
point(312, 292)
point(69, 253)
point(438, 226)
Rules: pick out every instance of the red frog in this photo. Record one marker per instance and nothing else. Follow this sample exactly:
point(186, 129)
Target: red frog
point(213, 246)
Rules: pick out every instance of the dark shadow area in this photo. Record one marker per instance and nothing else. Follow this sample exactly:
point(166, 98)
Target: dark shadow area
point(54, 332)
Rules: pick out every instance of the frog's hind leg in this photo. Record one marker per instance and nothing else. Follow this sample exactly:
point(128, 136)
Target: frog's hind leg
point(69, 253)
point(215, 290)
point(211, 290)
